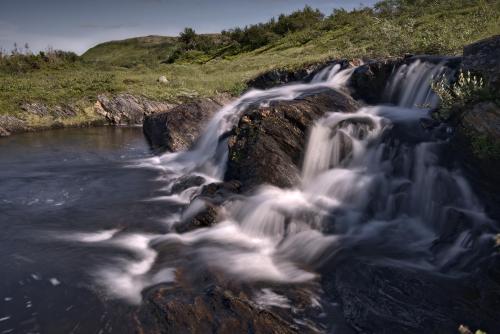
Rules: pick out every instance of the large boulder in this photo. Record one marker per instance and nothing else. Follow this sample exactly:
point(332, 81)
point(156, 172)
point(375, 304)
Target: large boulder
point(128, 109)
point(178, 128)
point(483, 57)
point(369, 80)
point(268, 144)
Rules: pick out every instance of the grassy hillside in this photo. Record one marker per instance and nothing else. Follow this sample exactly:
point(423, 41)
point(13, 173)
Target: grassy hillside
point(149, 50)
point(207, 64)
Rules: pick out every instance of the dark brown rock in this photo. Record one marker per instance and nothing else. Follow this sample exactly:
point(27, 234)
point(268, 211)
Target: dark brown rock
point(211, 198)
point(268, 143)
point(207, 217)
point(378, 298)
point(178, 128)
point(483, 57)
point(215, 310)
point(483, 119)
point(369, 80)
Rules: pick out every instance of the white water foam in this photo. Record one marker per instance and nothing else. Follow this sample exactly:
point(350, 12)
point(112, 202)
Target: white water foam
point(352, 195)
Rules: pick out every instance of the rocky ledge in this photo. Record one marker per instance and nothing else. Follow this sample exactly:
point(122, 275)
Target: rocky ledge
point(178, 128)
point(275, 136)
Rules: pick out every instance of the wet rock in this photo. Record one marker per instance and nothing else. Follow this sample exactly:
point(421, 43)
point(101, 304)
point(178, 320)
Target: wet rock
point(268, 144)
point(369, 80)
point(178, 128)
point(10, 125)
point(128, 109)
point(186, 182)
point(220, 191)
point(483, 57)
point(206, 216)
point(214, 310)
point(206, 208)
point(278, 77)
point(379, 298)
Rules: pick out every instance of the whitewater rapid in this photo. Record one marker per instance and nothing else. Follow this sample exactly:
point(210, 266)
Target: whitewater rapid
point(362, 190)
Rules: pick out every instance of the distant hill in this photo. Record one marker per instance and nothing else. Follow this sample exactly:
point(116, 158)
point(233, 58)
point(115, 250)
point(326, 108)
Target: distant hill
point(132, 51)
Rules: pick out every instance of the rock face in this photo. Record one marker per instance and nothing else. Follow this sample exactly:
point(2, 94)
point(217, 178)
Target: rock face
point(41, 110)
point(379, 298)
point(10, 125)
point(484, 118)
point(127, 109)
point(368, 81)
point(179, 127)
point(477, 141)
point(278, 77)
point(214, 310)
point(275, 136)
point(483, 57)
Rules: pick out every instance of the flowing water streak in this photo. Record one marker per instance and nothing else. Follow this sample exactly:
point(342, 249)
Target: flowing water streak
point(353, 187)
point(410, 85)
point(127, 278)
point(362, 192)
point(209, 155)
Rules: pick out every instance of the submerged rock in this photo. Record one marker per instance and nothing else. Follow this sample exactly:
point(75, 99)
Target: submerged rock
point(268, 143)
point(207, 206)
point(128, 109)
point(178, 128)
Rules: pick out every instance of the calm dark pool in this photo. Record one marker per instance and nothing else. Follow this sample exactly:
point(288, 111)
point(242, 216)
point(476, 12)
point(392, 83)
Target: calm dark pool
point(52, 184)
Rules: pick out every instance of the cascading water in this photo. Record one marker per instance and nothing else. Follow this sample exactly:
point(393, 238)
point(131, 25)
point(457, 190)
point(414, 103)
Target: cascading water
point(364, 191)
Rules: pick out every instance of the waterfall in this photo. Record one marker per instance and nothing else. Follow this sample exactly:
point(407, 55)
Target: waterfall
point(364, 192)
point(409, 86)
point(209, 156)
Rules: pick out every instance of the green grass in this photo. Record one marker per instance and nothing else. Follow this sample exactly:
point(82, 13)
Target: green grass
point(134, 65)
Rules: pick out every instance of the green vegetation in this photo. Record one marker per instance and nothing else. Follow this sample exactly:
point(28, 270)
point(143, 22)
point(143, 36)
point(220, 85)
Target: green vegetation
point(204, 65)
point(455, 97)
point(457, 100)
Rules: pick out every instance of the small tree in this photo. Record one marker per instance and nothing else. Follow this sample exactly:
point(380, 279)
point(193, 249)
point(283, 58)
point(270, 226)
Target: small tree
point(188, 37)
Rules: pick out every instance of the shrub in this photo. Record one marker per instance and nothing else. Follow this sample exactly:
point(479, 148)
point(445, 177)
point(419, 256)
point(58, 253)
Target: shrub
point(454, 97)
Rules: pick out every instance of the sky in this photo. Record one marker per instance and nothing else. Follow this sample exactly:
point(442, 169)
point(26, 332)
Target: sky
point(76, 25)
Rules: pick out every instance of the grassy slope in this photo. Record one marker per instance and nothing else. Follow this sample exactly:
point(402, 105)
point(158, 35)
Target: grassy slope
point(134, 65)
